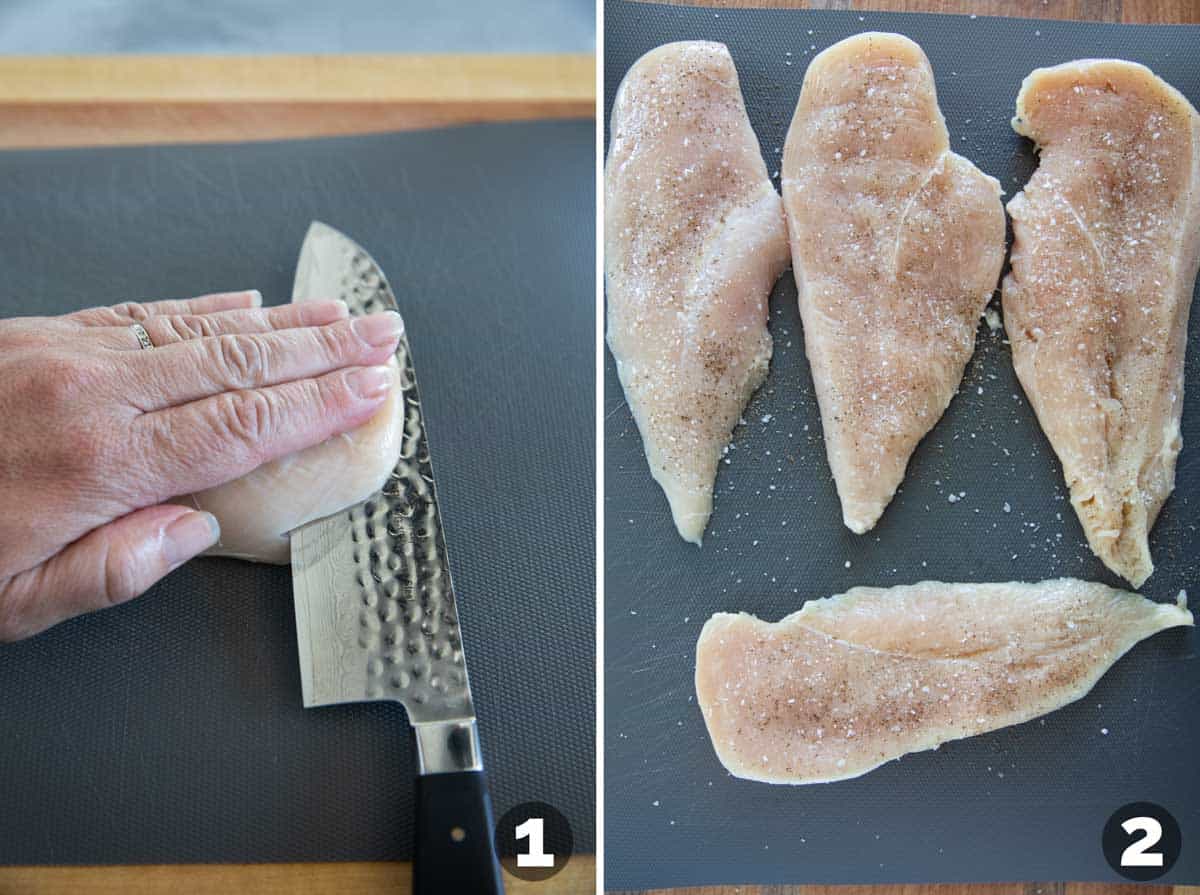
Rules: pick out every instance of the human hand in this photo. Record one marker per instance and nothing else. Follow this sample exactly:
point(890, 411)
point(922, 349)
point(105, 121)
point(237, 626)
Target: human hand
point(98, 433)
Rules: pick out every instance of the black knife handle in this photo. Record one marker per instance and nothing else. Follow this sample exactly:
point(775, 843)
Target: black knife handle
point(456, 850)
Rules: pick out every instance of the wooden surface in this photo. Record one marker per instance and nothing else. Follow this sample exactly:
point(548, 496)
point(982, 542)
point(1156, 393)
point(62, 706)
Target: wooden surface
point(1129, 11)
point(577, 878)
point(105, 100)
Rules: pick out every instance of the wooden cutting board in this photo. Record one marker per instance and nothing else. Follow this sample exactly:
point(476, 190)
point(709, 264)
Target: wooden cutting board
point(113, 100)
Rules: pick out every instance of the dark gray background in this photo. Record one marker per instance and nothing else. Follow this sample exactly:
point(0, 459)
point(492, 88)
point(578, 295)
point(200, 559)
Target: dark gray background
point(1027, 802)
point(171, 729)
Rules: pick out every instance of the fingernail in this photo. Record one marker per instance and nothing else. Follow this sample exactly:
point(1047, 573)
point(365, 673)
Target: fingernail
point(255, 297)
point(378, 329)
point(188, 535)
point(370, 382)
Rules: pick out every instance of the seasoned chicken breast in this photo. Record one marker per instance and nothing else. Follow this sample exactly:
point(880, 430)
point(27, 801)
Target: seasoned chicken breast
point(257, 511)
point(1105, 252)
point(694, 240)
point(897, 245)
point(852, 681)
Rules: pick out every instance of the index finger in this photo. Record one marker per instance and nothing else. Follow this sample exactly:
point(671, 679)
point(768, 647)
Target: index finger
point(135, 312)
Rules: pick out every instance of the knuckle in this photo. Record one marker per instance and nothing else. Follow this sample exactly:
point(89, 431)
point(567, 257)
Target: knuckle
point(54, 383)
point(336, 342)
point(133, 310)
point(121, 581)
point(55, 398)
point(191, 326)
point(329, 393)
point(249, 417)
point(61, 381)
point(243, 357)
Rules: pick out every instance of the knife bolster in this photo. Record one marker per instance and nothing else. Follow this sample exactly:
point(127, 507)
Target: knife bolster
point(446, 747)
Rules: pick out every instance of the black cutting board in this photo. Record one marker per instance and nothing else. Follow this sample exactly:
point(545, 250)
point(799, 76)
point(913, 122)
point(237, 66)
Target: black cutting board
point(171, 729)
point(1027, 802)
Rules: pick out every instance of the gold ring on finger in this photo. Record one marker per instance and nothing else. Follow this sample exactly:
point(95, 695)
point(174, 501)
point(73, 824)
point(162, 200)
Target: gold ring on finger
point(143, 337)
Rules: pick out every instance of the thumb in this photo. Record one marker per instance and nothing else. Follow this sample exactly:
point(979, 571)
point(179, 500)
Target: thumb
point(106, 567)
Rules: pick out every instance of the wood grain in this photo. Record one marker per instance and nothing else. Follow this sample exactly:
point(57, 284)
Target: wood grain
point(577, 878)
point(105, 100)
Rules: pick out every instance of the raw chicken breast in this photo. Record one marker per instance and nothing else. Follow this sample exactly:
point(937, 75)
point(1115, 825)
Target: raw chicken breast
point(258, 510)
point(852, 681)
point(1106, 247)
point(897, 245)
point(694, 240)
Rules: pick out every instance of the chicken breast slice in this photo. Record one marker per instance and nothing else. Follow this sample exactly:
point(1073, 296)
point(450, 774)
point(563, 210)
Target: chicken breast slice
point(856, 680)
point(897, 245)
point(1105, 252)
point(694, 240)
point(257, 511)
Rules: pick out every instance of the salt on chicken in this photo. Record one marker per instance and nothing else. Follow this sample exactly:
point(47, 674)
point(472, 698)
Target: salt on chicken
point(853, 681)
point(694, 240)
point(1106, 246)
point(897, 244)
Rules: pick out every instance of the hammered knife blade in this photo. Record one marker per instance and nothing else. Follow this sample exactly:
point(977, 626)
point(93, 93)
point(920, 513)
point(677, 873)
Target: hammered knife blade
point(376, 617)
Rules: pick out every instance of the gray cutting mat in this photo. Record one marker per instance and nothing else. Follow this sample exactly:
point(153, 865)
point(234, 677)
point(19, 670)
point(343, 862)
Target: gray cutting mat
point(171, 729)
point(1024, 803)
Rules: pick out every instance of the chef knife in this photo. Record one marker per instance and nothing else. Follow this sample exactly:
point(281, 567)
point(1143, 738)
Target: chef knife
point(376, 616)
